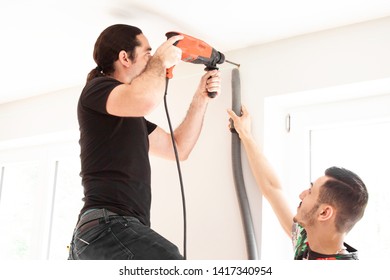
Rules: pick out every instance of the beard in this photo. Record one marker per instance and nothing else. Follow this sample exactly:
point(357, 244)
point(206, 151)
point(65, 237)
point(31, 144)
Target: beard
point(307, 218)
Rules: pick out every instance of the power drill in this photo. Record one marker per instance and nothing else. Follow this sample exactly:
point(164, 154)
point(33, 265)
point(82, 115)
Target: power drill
point(198, 52)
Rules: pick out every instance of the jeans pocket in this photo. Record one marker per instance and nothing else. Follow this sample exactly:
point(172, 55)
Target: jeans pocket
point(81, 241)
point(99, 243)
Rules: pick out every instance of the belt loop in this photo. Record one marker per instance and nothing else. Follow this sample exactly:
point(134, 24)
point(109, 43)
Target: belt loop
point(105, 215)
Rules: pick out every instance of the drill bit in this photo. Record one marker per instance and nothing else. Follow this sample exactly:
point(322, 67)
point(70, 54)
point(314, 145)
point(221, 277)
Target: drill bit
point(238, 65)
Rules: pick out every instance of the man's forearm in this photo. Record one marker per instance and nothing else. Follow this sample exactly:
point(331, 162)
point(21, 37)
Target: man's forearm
point(187, 133)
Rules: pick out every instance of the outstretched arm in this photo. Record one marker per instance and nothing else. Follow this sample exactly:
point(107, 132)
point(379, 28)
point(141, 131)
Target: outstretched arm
point(264, 175)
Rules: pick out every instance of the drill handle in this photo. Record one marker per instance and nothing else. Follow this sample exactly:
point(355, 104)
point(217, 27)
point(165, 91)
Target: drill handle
point(169, 72)
point(211, 94)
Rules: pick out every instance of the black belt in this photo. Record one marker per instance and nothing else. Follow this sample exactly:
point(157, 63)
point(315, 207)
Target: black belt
point(92, 218)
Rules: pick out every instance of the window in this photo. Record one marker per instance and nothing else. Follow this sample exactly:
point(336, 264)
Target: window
point(22, 210)
point(40, 198)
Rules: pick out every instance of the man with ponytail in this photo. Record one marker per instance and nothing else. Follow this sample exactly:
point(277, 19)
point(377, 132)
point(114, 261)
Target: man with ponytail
point(127, 84)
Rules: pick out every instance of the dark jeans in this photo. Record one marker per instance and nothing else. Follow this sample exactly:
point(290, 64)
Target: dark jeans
point(120, 238)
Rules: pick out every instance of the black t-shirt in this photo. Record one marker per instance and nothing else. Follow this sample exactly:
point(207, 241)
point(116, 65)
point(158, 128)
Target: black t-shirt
point(115, 167)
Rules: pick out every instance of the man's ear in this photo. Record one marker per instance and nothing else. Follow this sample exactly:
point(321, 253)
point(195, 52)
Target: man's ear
point(124, 59)
point(326, 212)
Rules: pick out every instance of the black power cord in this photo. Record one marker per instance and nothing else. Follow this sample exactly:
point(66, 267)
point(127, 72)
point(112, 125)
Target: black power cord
point(179, 171)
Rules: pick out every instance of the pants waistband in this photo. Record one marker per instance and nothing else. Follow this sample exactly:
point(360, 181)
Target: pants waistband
point(95, 214)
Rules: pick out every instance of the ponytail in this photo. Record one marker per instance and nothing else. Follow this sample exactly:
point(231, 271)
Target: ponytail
point(95, 72)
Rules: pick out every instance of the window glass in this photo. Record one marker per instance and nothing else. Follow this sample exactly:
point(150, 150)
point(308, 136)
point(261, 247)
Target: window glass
point(22, 211)
point(40, 199)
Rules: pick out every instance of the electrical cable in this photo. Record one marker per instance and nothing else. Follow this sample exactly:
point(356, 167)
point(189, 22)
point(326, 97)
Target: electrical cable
point(179, 171)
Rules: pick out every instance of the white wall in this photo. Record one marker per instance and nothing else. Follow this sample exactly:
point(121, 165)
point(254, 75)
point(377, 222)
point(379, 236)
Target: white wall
point(341, 56)
point(46, 114)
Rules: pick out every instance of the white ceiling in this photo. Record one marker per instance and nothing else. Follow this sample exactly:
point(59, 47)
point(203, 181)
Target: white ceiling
point(46, 45)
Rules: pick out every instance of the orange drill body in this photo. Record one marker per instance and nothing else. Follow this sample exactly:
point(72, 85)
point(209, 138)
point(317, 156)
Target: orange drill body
point(196, 51)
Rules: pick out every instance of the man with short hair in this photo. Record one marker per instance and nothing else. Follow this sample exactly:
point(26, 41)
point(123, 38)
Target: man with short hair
point(329, 208)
